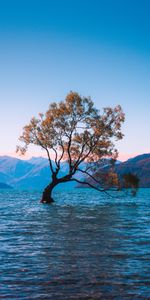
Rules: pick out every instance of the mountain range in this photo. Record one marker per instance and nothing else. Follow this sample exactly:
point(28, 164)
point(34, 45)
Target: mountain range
point(138, 165)
point(28, 174)
point(35, 173)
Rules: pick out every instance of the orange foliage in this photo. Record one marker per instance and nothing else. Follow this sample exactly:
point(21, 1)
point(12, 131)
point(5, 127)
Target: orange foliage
point(75, 131)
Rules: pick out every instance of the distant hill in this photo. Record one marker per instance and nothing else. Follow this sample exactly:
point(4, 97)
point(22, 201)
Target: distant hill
point(139, 165)
point(28, 174)
point(4, 186)
point(35, 173)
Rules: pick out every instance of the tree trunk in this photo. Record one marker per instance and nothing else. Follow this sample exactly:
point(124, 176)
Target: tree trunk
point(47, 194)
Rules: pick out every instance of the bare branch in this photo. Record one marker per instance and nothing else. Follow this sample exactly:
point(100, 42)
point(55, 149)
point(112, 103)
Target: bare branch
point(86, 173)
point(68, 150)
point(50, 161)
point(62, 154)
point(84, 157)
point(48, 154)
point(92, 186)
point(56, 156)
point(80, 155)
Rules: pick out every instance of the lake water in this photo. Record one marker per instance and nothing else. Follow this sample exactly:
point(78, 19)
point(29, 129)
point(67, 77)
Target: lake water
point(84, 246)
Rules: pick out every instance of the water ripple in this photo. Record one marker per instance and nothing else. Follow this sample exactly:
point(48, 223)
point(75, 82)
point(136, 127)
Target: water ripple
point(84, 246)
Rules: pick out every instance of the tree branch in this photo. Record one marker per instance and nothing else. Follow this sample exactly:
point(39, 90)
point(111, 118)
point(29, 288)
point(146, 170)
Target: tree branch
point(49, 159)
point(45, 148)
point(61, 156)
point(68, 150)
point(56, 156)
point(92, 177)
point(91, 185)
point(80, 155)
point(95, 188)
point(84, 157)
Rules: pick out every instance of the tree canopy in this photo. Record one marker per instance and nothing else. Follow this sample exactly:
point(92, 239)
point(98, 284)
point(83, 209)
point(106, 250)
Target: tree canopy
point(75, 131)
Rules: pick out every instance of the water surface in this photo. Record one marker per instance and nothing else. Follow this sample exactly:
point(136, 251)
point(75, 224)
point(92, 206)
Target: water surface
point(85, 246)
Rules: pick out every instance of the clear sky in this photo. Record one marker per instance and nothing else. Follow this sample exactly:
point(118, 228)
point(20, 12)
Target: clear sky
point(97, 48)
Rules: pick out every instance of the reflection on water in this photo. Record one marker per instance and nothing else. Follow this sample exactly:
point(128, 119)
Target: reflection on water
point(84, 246)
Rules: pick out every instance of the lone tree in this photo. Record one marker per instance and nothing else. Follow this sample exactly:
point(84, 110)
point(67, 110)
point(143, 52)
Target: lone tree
point(75, 131)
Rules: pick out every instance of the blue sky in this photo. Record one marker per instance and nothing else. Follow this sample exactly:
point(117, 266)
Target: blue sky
point(97, 48)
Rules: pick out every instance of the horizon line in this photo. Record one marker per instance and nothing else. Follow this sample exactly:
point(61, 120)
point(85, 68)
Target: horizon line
point(122, 156)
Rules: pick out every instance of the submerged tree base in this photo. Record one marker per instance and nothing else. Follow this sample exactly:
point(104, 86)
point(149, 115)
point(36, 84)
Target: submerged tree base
point(47, 201)
point(46, 197)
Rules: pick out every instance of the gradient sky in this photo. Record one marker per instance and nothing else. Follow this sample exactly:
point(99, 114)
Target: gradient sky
point(97, 48)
